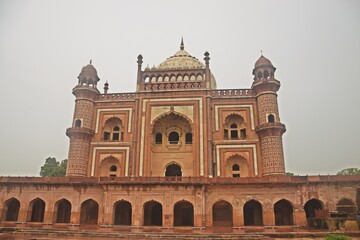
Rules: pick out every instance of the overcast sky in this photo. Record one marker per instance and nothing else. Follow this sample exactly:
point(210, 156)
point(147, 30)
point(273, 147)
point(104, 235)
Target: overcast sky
point(315, 46)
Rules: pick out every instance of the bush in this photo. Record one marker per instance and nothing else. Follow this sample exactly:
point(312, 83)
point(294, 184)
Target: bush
point(337, 237)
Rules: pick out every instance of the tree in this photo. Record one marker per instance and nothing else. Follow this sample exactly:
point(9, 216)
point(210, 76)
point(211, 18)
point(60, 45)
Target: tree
point(289, 174)
point(53, 168)
point(349, 171)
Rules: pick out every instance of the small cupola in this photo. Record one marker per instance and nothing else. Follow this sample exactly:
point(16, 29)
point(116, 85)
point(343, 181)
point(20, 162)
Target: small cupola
point(263, 69)
point(88, 76)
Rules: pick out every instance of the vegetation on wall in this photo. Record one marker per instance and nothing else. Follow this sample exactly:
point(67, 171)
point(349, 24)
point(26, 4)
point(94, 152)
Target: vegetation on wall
point(53, 168)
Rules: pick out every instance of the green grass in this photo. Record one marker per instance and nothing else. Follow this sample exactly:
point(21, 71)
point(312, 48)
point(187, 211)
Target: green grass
point(337, 237)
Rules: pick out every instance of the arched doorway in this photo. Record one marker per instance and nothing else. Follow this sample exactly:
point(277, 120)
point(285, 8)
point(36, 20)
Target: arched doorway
point(222, 214)
point(253, 213)
point(122, 213)
point(152, 214)
point(310, 207)
point(173, 170)
point(89, 212)
point(11, 210)
point(347, 206)
point(36, 210)
point(62, 211)
point(183, 214)
point(283, 211)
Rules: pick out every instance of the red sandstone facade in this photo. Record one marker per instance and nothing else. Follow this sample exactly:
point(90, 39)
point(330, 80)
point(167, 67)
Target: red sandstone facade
point(177, 152)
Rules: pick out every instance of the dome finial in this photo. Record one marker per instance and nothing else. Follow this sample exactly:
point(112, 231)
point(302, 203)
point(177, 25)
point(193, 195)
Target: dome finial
point(261, 52)
point(182, 44)
point(90, 61)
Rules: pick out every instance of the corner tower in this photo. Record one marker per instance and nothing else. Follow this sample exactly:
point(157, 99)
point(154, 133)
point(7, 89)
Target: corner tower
point(81, 132)
point(270, 129)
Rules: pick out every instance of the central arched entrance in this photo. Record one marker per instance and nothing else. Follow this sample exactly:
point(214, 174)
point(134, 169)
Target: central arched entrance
point(183, 214)
point(253, 213)
point(173, 170)
point(222, 214)
point(152, 214)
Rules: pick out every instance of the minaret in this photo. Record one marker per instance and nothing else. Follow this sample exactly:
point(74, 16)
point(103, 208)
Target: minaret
point(81, 132)
point(270, 129)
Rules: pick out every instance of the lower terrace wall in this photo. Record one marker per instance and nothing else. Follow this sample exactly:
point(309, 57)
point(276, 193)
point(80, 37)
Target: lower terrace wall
point(167, 202)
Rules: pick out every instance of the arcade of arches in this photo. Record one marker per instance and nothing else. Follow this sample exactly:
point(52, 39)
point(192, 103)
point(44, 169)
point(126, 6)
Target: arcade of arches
point(223, 213)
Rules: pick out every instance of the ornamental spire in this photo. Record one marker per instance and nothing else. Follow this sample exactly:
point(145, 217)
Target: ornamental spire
point(182, 44)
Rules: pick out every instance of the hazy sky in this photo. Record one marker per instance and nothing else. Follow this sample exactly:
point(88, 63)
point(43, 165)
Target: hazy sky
point(315, 46)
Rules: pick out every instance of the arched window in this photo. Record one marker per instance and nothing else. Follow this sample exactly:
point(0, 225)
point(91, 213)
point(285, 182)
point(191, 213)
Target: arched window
point(188, 138)
point(266, 74)
point(259, 75)
point(146, 79)
point(174, 138)
point(158, 138)
point(113, 130)
point(271, 118)
point(109, 166)
point(78, 123)
point(234, 127)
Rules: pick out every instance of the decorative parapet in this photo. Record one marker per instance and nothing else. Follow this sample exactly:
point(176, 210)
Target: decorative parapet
point(225, 93)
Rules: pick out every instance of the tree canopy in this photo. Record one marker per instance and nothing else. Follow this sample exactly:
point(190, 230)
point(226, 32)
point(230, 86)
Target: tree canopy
point(349, 171)
point(53, 168)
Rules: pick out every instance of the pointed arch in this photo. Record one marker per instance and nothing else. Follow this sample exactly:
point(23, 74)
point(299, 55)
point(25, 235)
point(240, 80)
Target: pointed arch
point(234, 127)
point(237, 166)
point(122, 213)
point(109, 167)
point(89, 212)
point(153, 213)
point(171, 113)
point(62, 211)
point(222, 214)
point(183, 213)
point(283, 210)
point(253, 215)
point(173, 169)
point(346, 205)
point(11, 210)
point(311, 206)
point(36, 210)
